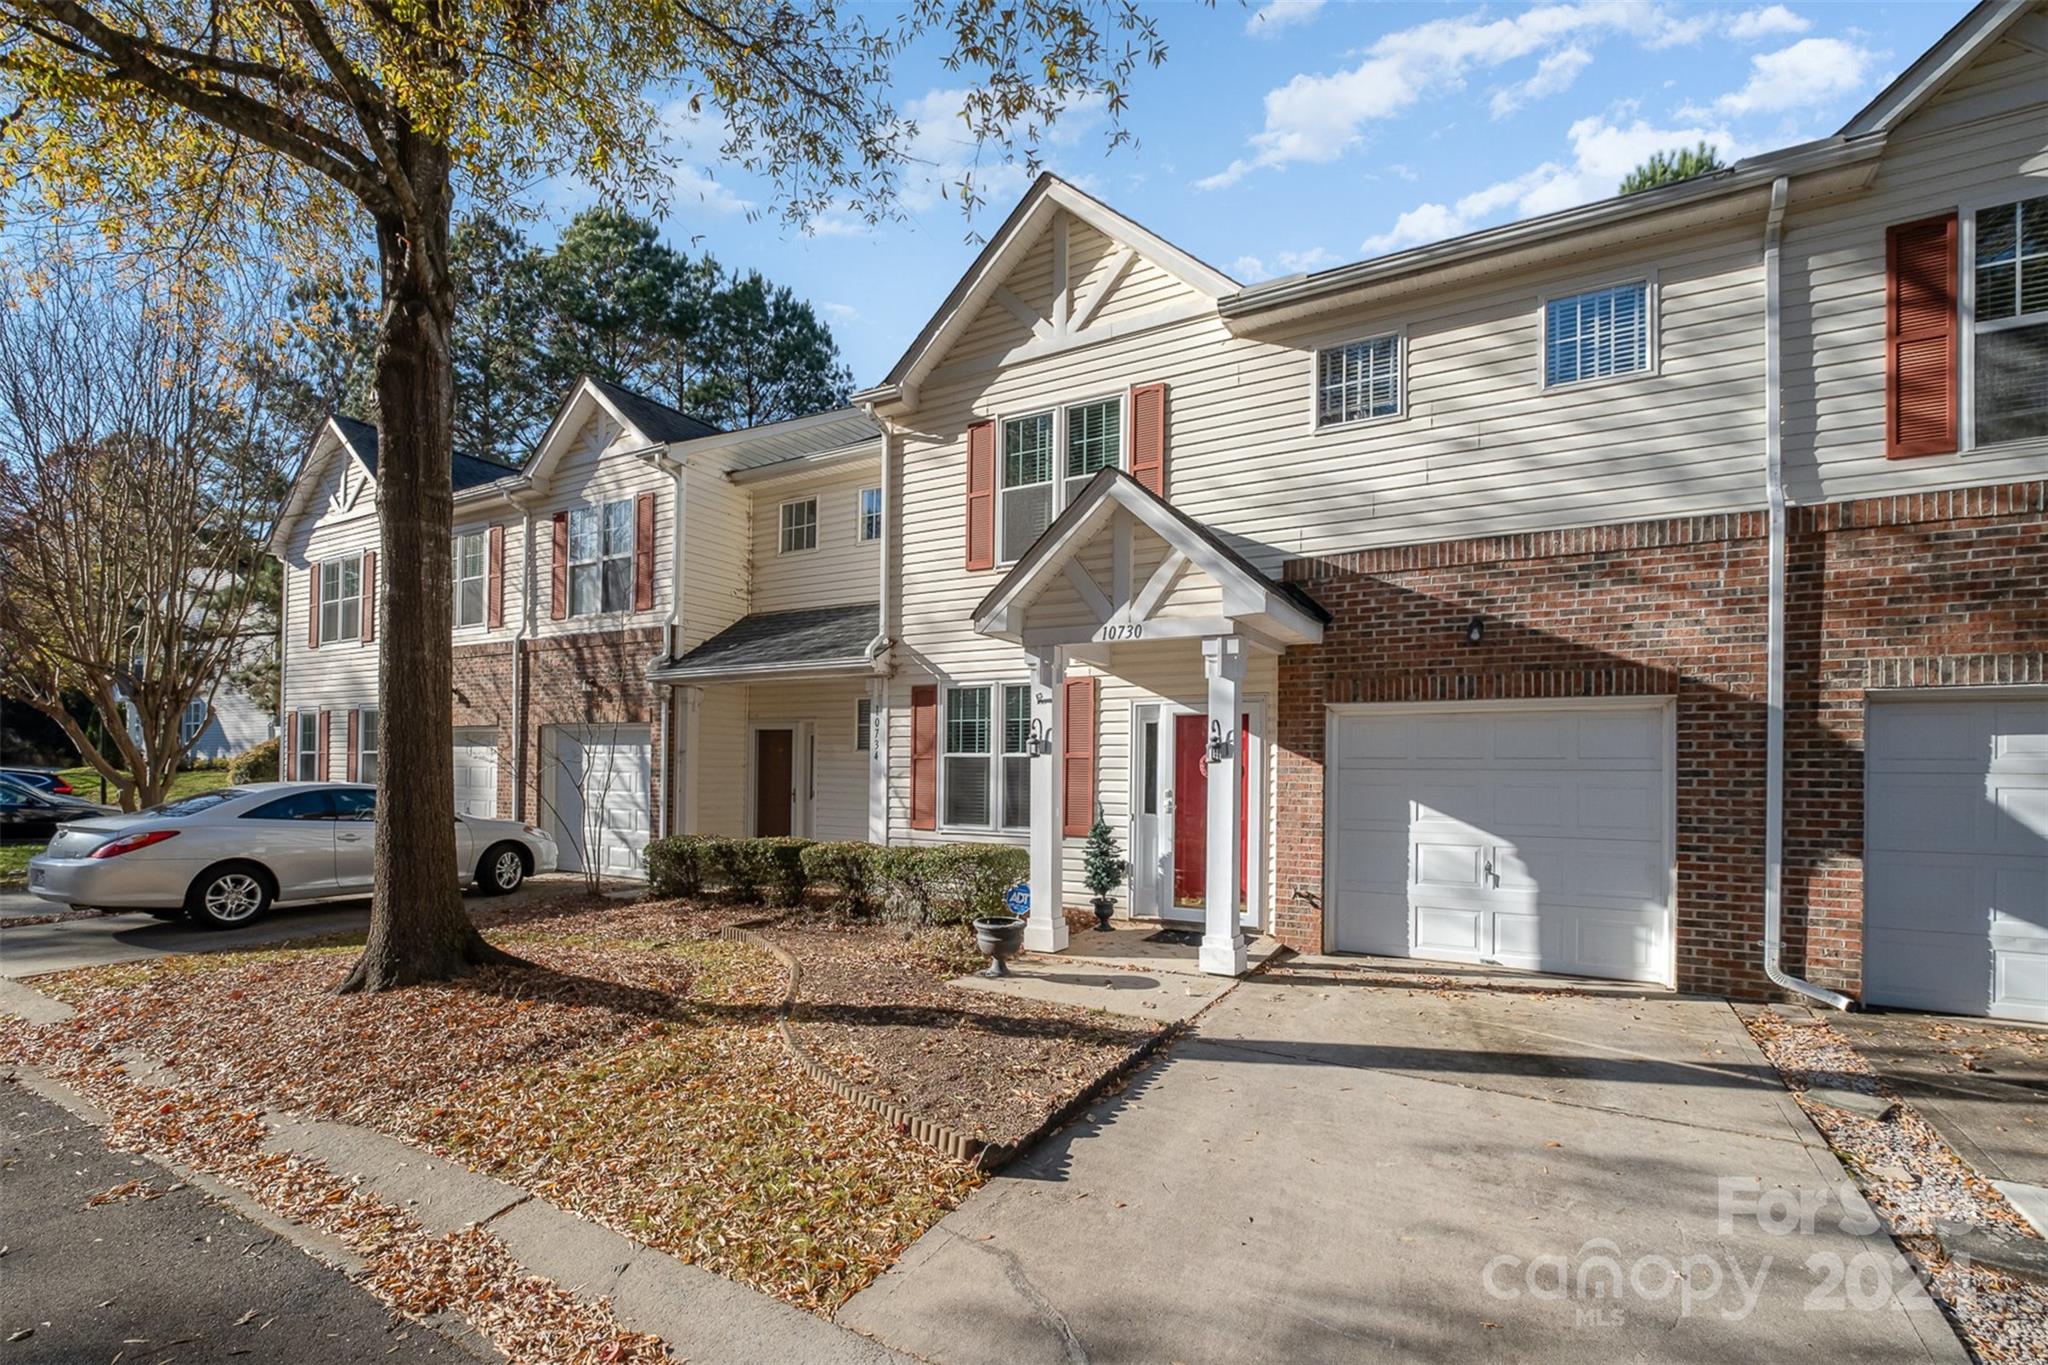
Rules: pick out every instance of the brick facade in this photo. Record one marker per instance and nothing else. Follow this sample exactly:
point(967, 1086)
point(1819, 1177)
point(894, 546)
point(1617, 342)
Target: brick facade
point(594, 678)
point(1934, 590)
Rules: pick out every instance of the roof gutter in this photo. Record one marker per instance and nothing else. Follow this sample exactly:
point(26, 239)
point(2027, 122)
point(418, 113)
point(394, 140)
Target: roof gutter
point(1774, 733)
point(1825, 154)
point(807, 668)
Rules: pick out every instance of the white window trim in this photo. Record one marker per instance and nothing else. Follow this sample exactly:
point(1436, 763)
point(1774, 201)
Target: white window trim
point(860, 510)
point(305, 744)
point(782, 526)
point(996, 753)
point(1316, 423)
point(188, 733)
point(1653, 350)
point(631, 555)
point(1122, 399)
point(483, 621)
point(366, 742)
point(1966, 309)
point(320, 568)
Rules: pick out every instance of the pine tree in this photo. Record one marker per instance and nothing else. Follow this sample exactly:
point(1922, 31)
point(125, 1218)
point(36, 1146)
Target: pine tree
point(1666, 168)
point(1102, 862)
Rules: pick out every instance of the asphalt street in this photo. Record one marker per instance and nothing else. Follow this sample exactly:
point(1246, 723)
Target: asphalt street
point(173, 1279)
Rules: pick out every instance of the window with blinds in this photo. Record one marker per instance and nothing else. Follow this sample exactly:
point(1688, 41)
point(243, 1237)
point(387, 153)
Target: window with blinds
point(2009, 326)
point(1357, 381)
point(1597, 335)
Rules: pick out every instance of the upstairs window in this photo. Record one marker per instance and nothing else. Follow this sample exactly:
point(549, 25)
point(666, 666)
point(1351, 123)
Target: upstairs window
point(1046, 458)
point(799, 526)
point(1597, 335)
point(469, 574)
point(1358, 381)
point(2009, 323)
point(601, 558)
point(870, 514)
point(341, 599)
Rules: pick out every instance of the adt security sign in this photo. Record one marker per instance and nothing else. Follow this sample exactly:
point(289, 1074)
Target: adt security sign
point(1019, 898)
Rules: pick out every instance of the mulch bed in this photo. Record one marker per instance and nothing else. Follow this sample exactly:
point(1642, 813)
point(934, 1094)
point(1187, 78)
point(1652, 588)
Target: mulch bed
point(633, 1073)
point(1913, 1179)
point(987, 1065)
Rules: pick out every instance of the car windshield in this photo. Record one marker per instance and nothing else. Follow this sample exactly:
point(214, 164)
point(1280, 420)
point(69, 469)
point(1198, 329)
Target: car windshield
point(192, 805)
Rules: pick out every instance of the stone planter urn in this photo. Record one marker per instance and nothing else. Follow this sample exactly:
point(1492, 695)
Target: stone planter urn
point(1000, 936)
point(1104, 907)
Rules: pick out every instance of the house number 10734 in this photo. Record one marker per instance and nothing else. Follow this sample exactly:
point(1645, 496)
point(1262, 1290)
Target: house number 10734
point(1130, 632)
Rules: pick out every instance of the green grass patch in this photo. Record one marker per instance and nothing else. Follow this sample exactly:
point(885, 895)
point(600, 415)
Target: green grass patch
point(85, 783)
point(14, 861)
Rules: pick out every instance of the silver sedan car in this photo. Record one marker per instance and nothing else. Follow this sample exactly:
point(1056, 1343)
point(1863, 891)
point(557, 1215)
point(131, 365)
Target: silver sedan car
point(225, 856)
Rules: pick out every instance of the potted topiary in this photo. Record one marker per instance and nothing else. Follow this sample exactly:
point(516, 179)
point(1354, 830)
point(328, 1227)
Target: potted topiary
point(1102, 868)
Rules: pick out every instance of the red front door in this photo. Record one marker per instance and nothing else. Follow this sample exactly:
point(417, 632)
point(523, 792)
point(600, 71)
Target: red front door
point(1191, 810)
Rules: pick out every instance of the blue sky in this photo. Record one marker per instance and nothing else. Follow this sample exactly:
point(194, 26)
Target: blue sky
point(1287, 135)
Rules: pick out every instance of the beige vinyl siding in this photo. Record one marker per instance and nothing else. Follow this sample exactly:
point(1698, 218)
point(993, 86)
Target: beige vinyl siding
point(841, 569)
point(335, 677)
point(839, 780)
point(1982, 141)
point(720, 758)
point(595, 470)
point(716, 541)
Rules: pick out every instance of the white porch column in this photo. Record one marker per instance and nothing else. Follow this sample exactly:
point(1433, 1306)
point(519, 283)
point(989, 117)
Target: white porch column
point(683, 745)
point(878, 760)
point(1046, 931)
point(1223, 948)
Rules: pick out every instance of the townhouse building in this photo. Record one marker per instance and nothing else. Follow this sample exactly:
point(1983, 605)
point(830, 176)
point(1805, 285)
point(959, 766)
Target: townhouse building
point(1652, 590)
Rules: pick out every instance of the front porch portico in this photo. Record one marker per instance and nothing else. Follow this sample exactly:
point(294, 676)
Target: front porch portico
point(1126, 585)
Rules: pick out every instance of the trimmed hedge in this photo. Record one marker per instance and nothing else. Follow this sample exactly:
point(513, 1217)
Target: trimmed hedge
point(257, 763)
point(927, 885)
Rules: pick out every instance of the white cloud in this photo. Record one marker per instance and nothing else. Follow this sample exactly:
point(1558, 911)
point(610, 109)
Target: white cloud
point(1768, 22)
point(1554, 75)
point(943, 152)
point(1317, 118)
point(692, 183)
point(1252, 269)
point(1602, 154)
point(693, 136)
point(845, 312)
point(1275, 15)
point(1811, 71)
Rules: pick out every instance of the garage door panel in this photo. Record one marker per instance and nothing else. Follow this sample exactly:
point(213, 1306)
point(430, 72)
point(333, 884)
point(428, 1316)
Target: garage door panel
point(601, 809)
point(1956, 856)
point(1373, 862)
point(1567, 808)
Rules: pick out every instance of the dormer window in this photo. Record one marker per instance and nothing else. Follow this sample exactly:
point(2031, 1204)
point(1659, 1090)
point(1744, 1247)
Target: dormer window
point(1045, 459)
point(601, 558)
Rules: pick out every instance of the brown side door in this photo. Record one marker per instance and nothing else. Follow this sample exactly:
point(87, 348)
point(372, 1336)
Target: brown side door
point(774, 781)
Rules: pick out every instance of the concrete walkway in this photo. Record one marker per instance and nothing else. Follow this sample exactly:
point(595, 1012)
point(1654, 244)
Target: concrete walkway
point(1343, 1165)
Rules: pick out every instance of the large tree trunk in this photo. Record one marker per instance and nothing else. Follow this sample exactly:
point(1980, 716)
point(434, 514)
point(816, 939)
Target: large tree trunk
point(419, 930)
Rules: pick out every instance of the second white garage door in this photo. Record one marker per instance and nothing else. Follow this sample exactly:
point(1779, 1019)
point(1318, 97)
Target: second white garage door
point(601, 806)
point(476, 773)
point(1535, 837)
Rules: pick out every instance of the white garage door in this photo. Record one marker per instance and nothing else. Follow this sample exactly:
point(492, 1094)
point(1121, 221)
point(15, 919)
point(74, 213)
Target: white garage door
point(476, 773)
point(1537, 837)
point(601, 805)
point(1955, 864)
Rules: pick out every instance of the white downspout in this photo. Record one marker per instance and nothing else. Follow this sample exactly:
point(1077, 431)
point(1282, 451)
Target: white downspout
point(672, 635)
point(1774, 740)
point(519, 636)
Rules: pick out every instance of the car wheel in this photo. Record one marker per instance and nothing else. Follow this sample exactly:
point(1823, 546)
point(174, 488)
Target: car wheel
point(502, 870)
point(226, 896)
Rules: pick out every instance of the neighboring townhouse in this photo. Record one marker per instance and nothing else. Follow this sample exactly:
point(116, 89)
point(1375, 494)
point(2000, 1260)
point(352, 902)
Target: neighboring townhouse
point(565, 575)
point(1656, 590)
point(1448, 582)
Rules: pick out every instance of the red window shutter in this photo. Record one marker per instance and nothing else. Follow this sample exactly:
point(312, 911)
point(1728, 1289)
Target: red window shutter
point(354, 719)
point(320, 762)
point(1077, 739)
point(288, 748)
point(643, 552)
point(312, 605)
point(494, 579)
point(1921, 338)
point(1148, 436)
point(369, 604)
point(558, 569)
point(981, 495)
point(924, 758)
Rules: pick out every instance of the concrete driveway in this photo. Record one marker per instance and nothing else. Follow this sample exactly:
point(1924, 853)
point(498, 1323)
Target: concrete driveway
point(1349, 1162)
point(98, 940)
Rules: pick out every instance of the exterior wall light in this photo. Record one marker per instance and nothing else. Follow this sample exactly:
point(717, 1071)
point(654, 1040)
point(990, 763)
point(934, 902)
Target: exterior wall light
point(1475, 630)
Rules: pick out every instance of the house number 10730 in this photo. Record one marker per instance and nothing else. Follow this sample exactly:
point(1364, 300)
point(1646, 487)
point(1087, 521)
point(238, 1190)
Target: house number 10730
point(1130, 632)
